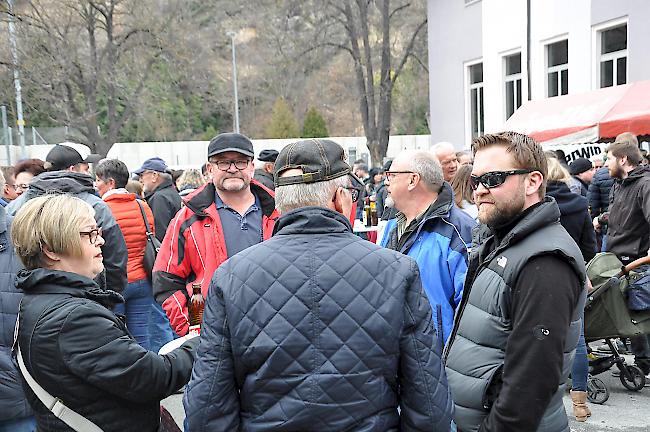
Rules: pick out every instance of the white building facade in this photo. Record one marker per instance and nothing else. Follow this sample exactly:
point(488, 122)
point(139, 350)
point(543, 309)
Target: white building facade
point(487, 57)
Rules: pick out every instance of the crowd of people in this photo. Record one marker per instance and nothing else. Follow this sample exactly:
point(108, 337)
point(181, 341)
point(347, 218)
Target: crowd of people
point(465, 314)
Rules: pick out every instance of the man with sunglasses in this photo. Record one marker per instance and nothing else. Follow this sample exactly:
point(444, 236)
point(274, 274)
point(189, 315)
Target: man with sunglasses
point(516, 329)
point(429, 228)
point(220, 219)
point(316, 328)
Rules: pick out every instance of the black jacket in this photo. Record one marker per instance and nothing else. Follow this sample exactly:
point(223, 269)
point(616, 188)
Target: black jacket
point(165, 202)
point(316, 329)
point(79, 351)
point(81, 186)
point(574, 217)
point(265, 178)
point(598, 192)
point(628, 232)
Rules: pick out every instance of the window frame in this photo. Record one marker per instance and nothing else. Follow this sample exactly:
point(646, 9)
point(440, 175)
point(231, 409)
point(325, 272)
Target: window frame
point(557, 68)
point(517, 82)
point(469, 87)
point(599, 59)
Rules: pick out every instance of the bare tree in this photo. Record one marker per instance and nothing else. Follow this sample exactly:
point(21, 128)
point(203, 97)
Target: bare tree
point(380, 36)
point(91, 59)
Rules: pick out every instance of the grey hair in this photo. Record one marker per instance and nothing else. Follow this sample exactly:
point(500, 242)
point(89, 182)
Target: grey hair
point(291, 197)
point(2, 181)
point(427, 165)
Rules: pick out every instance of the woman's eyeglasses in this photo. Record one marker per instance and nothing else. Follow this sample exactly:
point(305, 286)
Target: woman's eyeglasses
point(92, 234)
point(494, 179)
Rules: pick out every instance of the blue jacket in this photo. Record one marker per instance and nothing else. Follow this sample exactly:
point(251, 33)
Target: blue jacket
point(439, 244)
point(13, 404)
point(316, 329)
point(598, 194)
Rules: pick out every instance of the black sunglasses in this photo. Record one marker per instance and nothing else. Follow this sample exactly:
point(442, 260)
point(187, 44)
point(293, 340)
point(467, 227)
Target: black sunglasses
point(354, 192)
point(493, 179)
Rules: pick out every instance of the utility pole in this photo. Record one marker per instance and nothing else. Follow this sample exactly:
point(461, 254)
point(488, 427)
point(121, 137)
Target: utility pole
point(231, 34)
point(20, 122)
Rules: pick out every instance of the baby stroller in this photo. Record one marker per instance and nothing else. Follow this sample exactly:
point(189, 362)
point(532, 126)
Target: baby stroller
point(616, 308)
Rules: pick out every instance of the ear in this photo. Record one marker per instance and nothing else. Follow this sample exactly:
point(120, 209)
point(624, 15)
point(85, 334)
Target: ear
point(414, 179)
point(51, 256)
point(534, 182)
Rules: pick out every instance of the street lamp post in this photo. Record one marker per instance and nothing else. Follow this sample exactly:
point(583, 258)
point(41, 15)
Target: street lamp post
point(19, 99)
point(231, 35)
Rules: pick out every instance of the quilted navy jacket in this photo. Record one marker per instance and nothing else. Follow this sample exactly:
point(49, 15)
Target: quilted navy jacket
point(317, 330)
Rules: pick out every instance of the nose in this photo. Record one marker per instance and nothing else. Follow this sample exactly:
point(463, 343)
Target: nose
point(100, 241)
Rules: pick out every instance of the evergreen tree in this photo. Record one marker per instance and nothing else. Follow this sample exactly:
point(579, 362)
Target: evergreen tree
point(283, 123)
point(314, 125)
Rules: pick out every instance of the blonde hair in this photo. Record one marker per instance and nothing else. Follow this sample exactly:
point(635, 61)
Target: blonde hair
point(556, 172)
point(190, 178)
point(50, 221)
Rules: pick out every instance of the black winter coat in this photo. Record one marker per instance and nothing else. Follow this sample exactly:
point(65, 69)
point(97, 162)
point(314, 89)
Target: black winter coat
point(79, 351)
point(165, 202)
point(574, 217)
point(598, 193)
point(316, 329)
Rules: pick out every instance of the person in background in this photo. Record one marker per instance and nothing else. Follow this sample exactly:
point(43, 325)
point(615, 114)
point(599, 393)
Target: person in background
point(597, 161)
point(382, 193)
point(67, 173)
point(316, 329)
point(159, 192)
point(218, 220)
point(189, 181)
point(111, 176)
point(9, 189)
point(72, 343)
point(430, 229)
point(516, 329)
point(264, 172)
point(582, 171)
point(24, 171)
point(135, 187)
point(446, 154)
point(464, 157)
point(463, 193)
point(15, 412)
point(574, 217)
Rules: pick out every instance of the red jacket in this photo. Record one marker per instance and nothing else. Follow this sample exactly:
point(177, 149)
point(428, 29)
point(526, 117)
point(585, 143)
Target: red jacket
point(193, 248)
point(129, 218)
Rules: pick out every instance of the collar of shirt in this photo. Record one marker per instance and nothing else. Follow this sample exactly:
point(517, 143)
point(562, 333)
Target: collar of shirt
point(115, 191)
point(218, 202)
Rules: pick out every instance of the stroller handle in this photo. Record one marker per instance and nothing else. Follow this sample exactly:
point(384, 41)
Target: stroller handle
point(634, 264)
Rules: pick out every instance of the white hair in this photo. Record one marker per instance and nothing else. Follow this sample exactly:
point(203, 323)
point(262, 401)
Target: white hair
point(427, 165)
point(443, 146)
point(290, 197)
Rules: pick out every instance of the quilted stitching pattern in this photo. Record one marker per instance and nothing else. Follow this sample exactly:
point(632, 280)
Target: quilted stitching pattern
point(324, 336)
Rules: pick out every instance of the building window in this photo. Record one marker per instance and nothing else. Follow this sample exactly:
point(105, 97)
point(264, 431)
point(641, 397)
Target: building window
point(512, 83)
point(475, 73)
point(613, 56)
point(557, 69)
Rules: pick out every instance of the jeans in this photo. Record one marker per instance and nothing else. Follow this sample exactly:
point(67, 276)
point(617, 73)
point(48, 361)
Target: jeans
point(27, 424)
point(641, 349)
point(159, 329)
point(137, 308)
point(580, 368)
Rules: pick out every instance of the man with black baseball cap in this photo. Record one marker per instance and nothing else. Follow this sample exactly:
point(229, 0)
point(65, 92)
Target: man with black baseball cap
point(331, 328)
point(225, 216)
point(264, 172)
point(67, 172)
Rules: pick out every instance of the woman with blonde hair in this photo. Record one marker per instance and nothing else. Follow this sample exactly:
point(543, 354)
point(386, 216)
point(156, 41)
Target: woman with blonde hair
point(71, 345)
point(574, 217)
point(189, 181)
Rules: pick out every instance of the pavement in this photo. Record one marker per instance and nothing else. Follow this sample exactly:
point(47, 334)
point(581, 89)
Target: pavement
point(624, 411)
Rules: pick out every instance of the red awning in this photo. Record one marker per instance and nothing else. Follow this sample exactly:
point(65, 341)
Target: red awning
point(614, 110)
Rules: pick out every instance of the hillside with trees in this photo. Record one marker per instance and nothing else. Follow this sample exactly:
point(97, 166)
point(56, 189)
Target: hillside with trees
point(151, 70)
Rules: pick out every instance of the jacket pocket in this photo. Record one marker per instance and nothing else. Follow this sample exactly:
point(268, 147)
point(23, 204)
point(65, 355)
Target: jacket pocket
point(492, 389)
point(438, 318)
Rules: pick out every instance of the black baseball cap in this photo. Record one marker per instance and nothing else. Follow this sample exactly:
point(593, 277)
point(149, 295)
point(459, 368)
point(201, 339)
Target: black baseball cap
point(319, 160)
point(268, 155)
point(62, 157)
point(234, 142)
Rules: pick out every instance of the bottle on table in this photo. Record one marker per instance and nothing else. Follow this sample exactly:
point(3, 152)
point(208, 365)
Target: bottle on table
point(374, 217)
point(367, 217)
point(196, 307)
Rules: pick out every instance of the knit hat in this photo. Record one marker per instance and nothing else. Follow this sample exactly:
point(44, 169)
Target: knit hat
point(579, 166)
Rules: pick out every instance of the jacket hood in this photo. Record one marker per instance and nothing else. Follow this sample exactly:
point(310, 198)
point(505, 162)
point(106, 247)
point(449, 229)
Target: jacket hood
point(567, 201)
point(166, 183)
point(636, 173)
point(63, 182)
point(44, 281)
point(311, 220)
point(442, 205)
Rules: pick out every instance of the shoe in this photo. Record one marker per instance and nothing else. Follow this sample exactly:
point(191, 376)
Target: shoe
point(580, 409)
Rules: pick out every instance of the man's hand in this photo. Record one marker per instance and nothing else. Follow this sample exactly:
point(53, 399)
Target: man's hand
point(596, 224)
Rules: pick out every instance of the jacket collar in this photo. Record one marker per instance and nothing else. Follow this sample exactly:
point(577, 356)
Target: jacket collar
point(166, 183)
point(311, 220)
point(44, 281)
point(204, 197)
point(62, 182)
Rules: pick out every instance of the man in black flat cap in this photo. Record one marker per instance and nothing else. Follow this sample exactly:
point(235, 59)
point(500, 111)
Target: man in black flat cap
point(316, 329)
point(264, 173)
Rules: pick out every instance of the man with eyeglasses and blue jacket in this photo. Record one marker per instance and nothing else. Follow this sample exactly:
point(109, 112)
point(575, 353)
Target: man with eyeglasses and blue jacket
point(218, 220)
point(515, 332)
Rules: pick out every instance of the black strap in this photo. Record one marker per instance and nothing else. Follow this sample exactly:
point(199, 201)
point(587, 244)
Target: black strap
point(144, 217)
